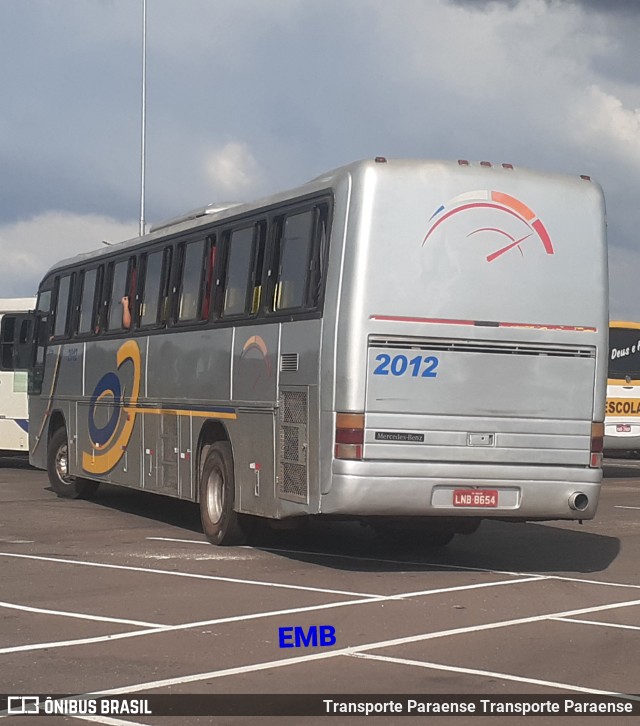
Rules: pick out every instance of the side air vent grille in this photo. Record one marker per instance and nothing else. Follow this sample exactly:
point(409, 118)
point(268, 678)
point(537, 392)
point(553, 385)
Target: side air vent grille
point(289, 362)
point(293, 422)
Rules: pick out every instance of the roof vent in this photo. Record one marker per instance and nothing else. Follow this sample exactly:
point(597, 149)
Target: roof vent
point(194, 214)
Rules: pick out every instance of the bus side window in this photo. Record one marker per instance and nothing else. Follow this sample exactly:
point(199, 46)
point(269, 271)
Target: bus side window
point(256, 276)
point(208, 293)
point(317, 272)
point(23, 349)
point(293, 254)
point(192, 274)
point(240, 246)
point(122, 294)
point(86, 313)
point(61, 316)
point(7, 338)
point(16, 342)
point(149, 304)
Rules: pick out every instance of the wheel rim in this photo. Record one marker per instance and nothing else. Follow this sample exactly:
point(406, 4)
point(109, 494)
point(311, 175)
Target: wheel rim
point(62, 465)
point(215, 488)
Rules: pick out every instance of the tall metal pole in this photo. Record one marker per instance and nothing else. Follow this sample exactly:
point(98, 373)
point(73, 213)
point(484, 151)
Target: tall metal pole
point(144, 115)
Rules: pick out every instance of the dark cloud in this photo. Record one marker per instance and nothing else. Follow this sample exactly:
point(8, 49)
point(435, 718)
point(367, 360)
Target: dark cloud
point(629, 7)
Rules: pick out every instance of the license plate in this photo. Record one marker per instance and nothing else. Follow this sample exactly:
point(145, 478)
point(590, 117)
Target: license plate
point(623, 428)
point(475, 498)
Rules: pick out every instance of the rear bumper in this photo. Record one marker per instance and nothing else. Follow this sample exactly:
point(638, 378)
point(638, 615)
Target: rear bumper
point(364, 488)
point(622, 442)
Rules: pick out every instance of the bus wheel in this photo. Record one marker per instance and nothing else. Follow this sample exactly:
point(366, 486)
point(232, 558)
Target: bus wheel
point(62, 483)
point(220, 523)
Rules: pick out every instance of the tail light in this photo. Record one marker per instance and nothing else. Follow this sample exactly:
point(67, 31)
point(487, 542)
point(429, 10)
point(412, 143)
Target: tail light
point(349, 435)
point(597, 444)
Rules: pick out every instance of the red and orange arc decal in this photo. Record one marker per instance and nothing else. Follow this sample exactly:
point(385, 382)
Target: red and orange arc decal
point(255, 342)
point(500, 201)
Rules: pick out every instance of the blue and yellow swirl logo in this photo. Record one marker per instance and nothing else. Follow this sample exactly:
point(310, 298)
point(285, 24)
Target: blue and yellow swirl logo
point(109, 441)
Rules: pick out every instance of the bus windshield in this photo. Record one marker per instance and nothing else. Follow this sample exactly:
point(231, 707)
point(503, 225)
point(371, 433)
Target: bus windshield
point(624, 353)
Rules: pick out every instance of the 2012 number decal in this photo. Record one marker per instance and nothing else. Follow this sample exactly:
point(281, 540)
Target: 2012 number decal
point(399, 365)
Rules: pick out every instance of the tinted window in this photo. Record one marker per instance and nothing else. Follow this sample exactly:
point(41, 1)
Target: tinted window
point(62, 306)
point(207, 298)
point(294, 256)
point(44, 301)
point(7, 336)
point(191, 283)
point(85, 321)
point(238, 272)
point(152, 288)
point(319, 257)
point(118, 291)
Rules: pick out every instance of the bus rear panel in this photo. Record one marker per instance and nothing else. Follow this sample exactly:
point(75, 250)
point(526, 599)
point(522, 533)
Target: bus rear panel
point(471, 342)
point(622, 421)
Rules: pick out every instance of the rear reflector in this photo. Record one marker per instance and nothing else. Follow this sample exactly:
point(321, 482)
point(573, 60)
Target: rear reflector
point(348, 451)
point(597, 445)
point(349, 435)
point(597, 437)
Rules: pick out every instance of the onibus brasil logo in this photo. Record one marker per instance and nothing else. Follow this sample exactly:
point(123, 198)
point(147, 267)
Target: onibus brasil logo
point(109, 441)
point(532, 227)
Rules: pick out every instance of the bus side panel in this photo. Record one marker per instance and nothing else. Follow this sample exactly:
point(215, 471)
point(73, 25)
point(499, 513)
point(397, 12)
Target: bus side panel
point(190, 367)
point(14, 414)
point(13, 435)
point(297, 439)
point(109, 426)
point(253, 390)
point(42, 406)
point(252, 442)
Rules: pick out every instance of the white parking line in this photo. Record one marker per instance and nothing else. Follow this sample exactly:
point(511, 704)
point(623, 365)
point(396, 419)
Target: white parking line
point(622, 506)
point(80, 616)
point(249, 616)
point(183, 541)
point(449, 566)
point(491, 674)
point(192, 575)
point(109, 720)
point(284, 662)
point(598, 622)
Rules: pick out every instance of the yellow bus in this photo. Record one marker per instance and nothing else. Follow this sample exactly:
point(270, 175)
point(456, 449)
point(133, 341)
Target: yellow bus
point(622, 420)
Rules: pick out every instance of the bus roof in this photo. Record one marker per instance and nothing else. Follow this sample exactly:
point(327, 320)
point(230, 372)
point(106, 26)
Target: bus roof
point(328, 180)
point(16, 304)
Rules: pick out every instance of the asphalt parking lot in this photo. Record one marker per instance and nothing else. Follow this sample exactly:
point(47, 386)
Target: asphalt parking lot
point(122, 595)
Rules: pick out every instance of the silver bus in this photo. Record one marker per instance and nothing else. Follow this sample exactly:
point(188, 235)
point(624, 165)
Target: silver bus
point(15, 352)
point(420, 342)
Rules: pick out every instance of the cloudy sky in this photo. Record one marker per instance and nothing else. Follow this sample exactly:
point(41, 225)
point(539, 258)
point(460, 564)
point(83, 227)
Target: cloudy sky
point(249, 97)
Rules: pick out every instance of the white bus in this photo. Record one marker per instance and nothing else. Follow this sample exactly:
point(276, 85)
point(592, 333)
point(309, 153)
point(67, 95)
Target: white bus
point(622, 421)
point(420, 342)
point(15, 336)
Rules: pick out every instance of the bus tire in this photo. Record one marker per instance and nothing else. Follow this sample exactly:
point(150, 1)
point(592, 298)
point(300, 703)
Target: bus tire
point(220, 523)
point(62, 483)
